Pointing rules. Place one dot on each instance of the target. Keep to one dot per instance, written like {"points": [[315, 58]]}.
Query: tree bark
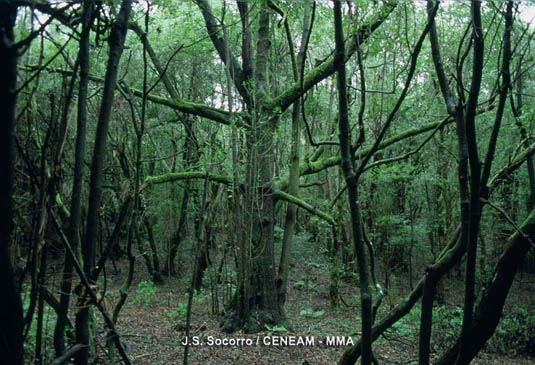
{"points": [[79, 162], [116, 44], [475, 180], [348, 169], [293, 182], [258, 292], [11, 346], [490, 307]]}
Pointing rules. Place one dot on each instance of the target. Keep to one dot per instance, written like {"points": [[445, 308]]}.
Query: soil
{"points": [[153, 326]]}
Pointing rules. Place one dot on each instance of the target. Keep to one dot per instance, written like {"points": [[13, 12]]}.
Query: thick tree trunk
{"points": [[257, 292], [11, 350]]}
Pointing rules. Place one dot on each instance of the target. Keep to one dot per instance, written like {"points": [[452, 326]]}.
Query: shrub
{"points": [[515, 334], [145, 293]]}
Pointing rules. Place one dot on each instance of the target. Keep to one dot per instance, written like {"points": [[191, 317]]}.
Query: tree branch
{"points": [[312, 167], [326, 69], [201, 110], [218, 40], [89, 289], [278, 194]]}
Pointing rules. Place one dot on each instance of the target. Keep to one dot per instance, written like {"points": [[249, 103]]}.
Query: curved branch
{"points": [[312, 167], [218, 41], [278, 194], [410, 153], [392, 115], [201, 110], [303, 204], [326, 69], [513, 165]]}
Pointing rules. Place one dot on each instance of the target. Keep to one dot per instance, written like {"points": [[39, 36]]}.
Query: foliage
{"points": [[145, 293], [309, 312], [447, 324], [407, 325], [179, 312], [181, 309], [515, 334], [275, 330]]}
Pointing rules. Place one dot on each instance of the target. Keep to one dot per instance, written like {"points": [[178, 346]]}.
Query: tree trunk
{"points": [[475, 180], [116, 43], [190, 157], [11, 350], [490, 307], [79, 162], [348, 168], [258, 292], [293, 184]]}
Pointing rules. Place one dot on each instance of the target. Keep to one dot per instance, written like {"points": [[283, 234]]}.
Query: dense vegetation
{"points": [[242, 158]]}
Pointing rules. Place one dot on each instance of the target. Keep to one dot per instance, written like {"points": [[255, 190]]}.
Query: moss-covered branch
{"points": [[303, 204], [278, 194], [188, 107], [201, 110], [326, 69], [312, 167], [177, 176]]}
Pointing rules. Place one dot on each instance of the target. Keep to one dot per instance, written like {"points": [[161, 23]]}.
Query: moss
{"points": [[308, 168], [188, 107], [177, 176], [301, 203], [326, 69], [62, 206]]}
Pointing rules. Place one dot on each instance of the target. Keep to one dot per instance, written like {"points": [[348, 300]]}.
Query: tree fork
{"points": [[490, 307]]}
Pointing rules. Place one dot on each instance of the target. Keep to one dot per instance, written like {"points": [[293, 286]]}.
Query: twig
{"points": [[410, 153], [69, 353], [89, 289], [508, 219]]}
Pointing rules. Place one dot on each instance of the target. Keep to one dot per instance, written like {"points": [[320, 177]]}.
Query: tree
{"points": [[329, 131], [116, 43], [11, 339], [257, 290], [76, 199]]}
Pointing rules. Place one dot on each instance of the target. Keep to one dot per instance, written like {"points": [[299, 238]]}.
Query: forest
{"points": [[267, 182]]}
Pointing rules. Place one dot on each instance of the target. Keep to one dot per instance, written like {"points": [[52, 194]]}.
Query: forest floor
{"points": [[152, 322]]}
